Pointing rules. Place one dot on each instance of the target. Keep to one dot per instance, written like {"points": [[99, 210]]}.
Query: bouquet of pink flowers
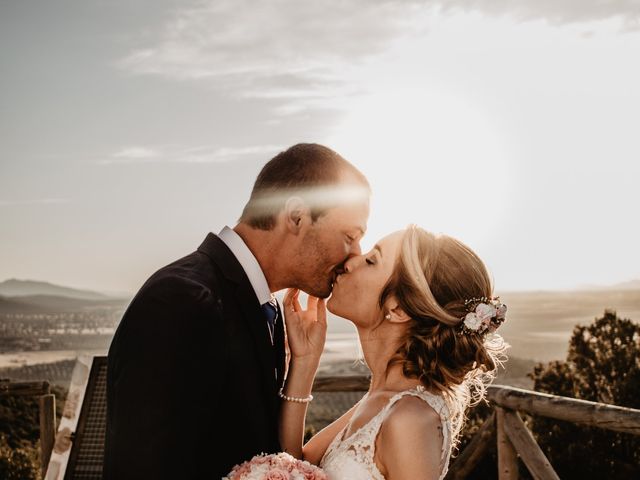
{"points": [[276, 466]]}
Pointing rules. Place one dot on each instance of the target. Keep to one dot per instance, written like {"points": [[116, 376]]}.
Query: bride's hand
{"points": [[306, 329]]}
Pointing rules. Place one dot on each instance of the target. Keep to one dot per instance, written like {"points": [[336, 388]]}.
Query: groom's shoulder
{"points": [[191, 278]]}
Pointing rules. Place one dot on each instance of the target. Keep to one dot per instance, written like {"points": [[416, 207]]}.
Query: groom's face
{"points": [[329, 242]]}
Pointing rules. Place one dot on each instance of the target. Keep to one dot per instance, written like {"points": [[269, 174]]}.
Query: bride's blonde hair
{"points": [[432, 278]]}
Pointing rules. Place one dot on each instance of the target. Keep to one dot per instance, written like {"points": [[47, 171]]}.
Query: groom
{"points": [[199, 355]]}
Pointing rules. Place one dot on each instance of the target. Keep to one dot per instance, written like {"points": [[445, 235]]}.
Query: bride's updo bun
{"points": [[433, 277]]}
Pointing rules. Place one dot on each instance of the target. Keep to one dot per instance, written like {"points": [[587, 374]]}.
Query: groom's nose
{"points": [[352, 263]]}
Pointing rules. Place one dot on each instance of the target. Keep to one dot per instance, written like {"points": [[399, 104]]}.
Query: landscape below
{"points": [[43, 328]]}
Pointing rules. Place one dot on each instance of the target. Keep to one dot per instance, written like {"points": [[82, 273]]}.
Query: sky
{"points": [[130, 129]]}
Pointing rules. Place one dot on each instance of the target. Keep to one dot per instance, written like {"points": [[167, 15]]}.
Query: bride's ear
{"points": [[395, 313]]}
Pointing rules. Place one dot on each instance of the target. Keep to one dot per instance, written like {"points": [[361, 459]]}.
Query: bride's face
{"points": [[356, 292]]}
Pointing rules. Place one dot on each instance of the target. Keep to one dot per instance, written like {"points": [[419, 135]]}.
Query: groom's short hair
{"points": [[320, 176]]}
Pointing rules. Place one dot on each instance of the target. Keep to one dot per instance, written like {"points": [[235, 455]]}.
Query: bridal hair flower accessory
{"points": [[276, 466], [484, 315]]}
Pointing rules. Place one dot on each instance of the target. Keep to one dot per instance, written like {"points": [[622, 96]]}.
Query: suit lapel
{"points": [[252, 314]]}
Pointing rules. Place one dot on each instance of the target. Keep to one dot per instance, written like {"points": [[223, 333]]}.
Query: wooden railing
{"points": [[506, 428], [47, 412]]}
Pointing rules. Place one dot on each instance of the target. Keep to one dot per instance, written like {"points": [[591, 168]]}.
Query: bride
{"points": [[425, 315]]}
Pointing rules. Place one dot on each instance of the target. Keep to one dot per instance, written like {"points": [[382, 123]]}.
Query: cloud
{"points": [[136, 153], [300, 55], [556, 12], [180, 154], [278, 50], [37, 201]]}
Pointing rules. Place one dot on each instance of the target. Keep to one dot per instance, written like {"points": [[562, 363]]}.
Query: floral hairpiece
{"points": [[484, 315]]}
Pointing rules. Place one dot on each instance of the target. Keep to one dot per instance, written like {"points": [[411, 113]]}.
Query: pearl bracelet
{"points": [[294, 399]]}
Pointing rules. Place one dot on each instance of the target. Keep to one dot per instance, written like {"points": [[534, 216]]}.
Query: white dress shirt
{"points": [[249, 263]]}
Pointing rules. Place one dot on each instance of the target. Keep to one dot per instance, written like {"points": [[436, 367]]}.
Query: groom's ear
{"points": [[295, 211], [395, 313]]}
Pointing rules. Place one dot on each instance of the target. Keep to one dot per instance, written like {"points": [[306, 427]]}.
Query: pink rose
{"points": [[283, 461], [240, 470], [259, 460], [277, 474], [243, 470], [310, 472]]}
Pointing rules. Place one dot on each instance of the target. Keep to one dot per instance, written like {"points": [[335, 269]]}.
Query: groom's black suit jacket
{"points": [[192, 366]]}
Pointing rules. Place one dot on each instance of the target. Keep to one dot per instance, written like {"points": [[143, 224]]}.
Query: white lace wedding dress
{"points": [[352, 458]]}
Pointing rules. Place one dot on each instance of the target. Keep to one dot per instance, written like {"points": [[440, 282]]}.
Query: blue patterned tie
{"points": [[271, 313]]}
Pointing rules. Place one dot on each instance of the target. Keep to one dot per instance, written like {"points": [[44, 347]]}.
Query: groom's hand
{"points": [[306, 329]]}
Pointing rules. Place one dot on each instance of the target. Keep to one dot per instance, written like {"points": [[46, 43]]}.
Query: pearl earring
{"points": [[388, 316]]}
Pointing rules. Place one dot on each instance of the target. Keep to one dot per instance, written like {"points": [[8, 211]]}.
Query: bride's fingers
{"points": [[312, 303], [289, 296], [322, 312], [295, 302], [291, 304]]}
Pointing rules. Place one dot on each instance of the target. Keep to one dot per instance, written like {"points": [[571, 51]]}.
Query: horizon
{"points": [[131, 129], [541, 321], [630, 285]]}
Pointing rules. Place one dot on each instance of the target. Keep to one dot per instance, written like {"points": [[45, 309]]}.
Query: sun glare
{"points": [[431, 158]]}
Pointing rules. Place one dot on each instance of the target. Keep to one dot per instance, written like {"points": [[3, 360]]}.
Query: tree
{"points": [[20, 433], [602, 365], [18, 463]]}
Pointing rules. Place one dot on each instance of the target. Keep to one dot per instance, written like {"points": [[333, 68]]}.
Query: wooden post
{"points": [[473, 453], [47, 429], [528, 448], [507, 457], [24, 388]]}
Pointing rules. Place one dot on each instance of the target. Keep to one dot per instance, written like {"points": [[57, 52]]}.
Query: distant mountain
{"points": [[630, 285], [31, 304], [21, 288], [11, 305]]}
